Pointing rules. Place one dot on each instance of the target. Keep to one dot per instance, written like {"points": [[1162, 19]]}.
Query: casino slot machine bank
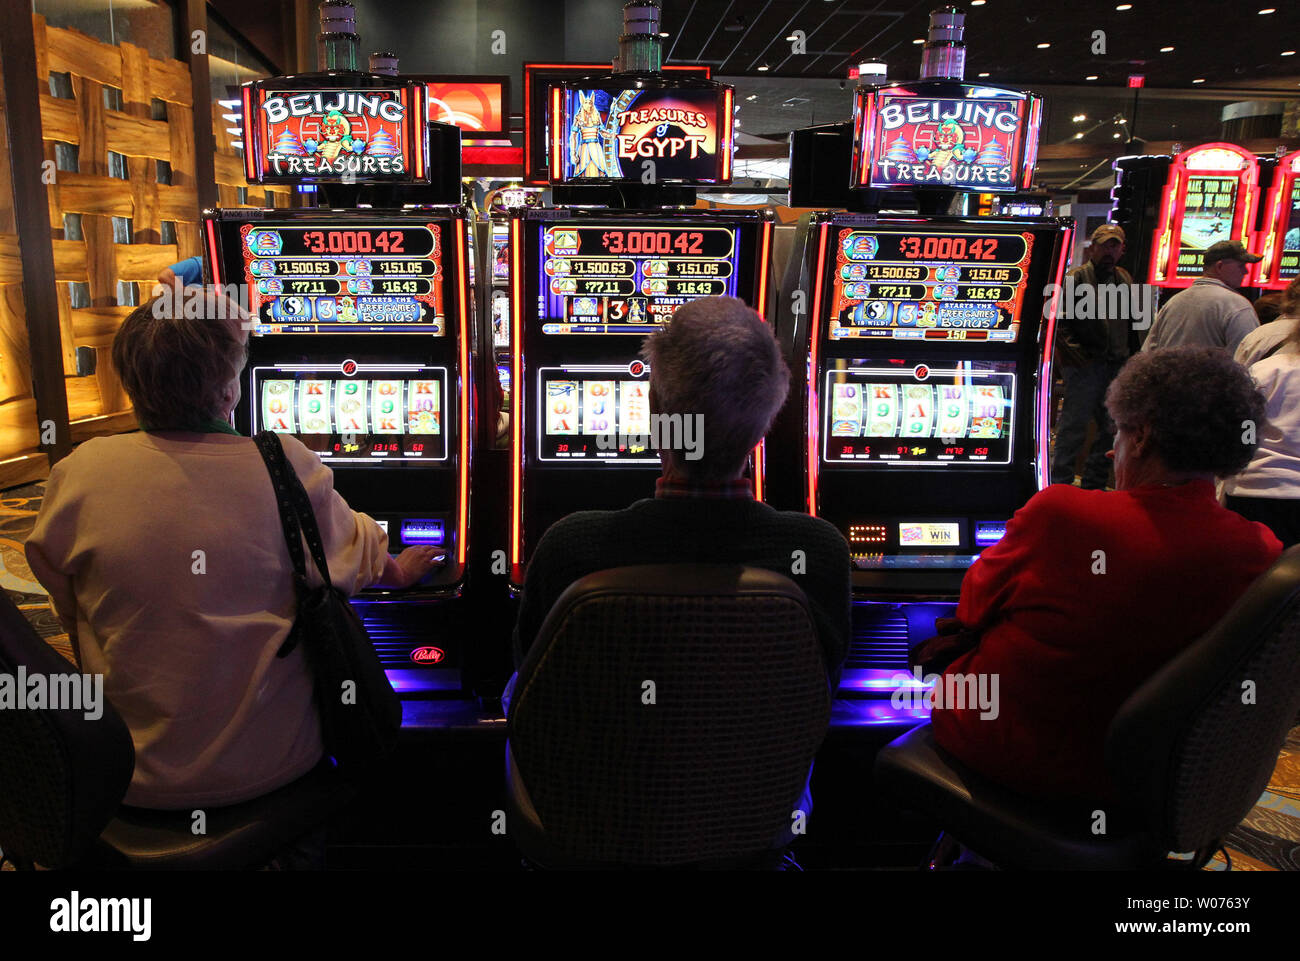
{"points": [[361, 340], [923, 423], [590, 277]]}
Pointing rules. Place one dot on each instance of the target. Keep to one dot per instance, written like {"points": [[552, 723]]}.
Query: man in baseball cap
{"points": [[1210, 313], [1091, 347]]}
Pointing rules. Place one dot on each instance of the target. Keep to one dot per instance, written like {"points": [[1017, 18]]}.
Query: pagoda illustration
{"points": [[287, 145], [993, 155], [900, 151], [382, 145]]}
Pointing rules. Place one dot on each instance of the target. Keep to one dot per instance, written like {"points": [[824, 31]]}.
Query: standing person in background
{"points": [[1090, 353], [1274, 336], [1210, 313]]}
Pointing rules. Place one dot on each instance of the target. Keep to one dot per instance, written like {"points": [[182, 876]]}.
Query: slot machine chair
{"points": [[706, 774], [63, 777], [1188, 757]]}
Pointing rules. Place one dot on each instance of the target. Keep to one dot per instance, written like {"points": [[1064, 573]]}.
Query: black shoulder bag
{"points": [[360, 715]]}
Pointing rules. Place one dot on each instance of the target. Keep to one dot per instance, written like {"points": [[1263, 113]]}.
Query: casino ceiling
{"points": [[1197, 57]]}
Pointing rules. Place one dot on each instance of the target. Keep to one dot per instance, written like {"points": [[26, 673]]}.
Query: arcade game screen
{"points": [[1207, 219], [322, 278], [883, 413], [928, 286], [611, 279], [359, 414]]}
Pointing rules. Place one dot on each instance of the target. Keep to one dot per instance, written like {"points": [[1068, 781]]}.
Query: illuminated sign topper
{"points": [[348, 135], [607, 133], [941, 134]]}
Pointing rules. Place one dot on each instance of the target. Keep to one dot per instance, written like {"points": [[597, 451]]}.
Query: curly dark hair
{"points": [[1203, 411]]}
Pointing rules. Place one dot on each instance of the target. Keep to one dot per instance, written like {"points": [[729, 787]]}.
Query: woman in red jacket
{"points": [[1090, 592]]}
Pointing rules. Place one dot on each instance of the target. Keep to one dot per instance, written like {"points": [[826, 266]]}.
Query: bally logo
{"points": [[427, 655]]}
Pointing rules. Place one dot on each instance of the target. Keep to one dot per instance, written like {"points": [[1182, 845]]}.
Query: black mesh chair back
{"points": [[667, 716], [62, 773], [1193, 748]]}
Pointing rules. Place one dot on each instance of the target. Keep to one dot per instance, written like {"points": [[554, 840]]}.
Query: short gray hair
{"points": [[716, 358], [1197, 403], [175, 368]]}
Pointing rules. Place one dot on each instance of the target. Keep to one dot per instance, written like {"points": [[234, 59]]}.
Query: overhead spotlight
{"points": [[1166, 49], [984, 74], [919, 40], [1199, 80], [763, 67], [1124, 6], [1079, 118], [1043, 46]]}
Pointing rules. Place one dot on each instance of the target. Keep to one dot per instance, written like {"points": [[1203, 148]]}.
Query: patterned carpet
{"points": [[1267, 840]]}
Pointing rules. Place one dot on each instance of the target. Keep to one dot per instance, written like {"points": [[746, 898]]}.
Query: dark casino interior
{"points": [[803, 435]]}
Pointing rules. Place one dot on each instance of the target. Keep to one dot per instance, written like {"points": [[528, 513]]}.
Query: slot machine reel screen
{"points": [[357, 414], [619, 279], [923, 285], [341, 278], [595, 415]]}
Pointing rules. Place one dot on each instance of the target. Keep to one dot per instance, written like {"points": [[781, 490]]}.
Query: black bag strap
{"points": [[297, 520], [292, 499]]}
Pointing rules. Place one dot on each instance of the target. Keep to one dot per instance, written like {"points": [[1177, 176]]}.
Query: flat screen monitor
{"points": [[343, 277], [880, 413], [620, 279], [595, 414], [356, 414]]}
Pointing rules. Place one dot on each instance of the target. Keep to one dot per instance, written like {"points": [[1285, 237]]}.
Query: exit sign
{"points": [[1136, 80]]}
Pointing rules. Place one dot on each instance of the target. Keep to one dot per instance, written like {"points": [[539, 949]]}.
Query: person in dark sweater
{"points": [[716, 360]]}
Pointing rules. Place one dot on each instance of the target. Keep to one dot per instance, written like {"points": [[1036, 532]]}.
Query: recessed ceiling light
{"points": [[919, 40], [1125, 6], [1115, 136], [1268, 10], [1199, 80], [1166, 49], [1043, 46], [1079, 135], [1091, 77], [763, 66], [1288, 53], [984, 74], [792, 37], [1079, 118], [752, 96], [977, 3]]}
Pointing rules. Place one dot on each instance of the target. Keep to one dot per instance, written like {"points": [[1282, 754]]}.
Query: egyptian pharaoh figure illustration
{"points": [[586, 139]]}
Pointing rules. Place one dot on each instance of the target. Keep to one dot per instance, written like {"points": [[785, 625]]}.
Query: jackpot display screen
{"points": [[595, 414], [924, 285], [373, 415], [880, 413], [1288, 267], [610, 133], [354, 277], [1208, 213], [614, 279]]}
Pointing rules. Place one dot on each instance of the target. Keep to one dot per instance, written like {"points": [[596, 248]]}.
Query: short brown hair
{"points": [[175, 368]]}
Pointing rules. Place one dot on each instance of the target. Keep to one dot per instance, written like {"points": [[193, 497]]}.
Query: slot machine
{"points": [[591, 277], [923, 423], [1280, 238], [360, 341], [1174, 208]]}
